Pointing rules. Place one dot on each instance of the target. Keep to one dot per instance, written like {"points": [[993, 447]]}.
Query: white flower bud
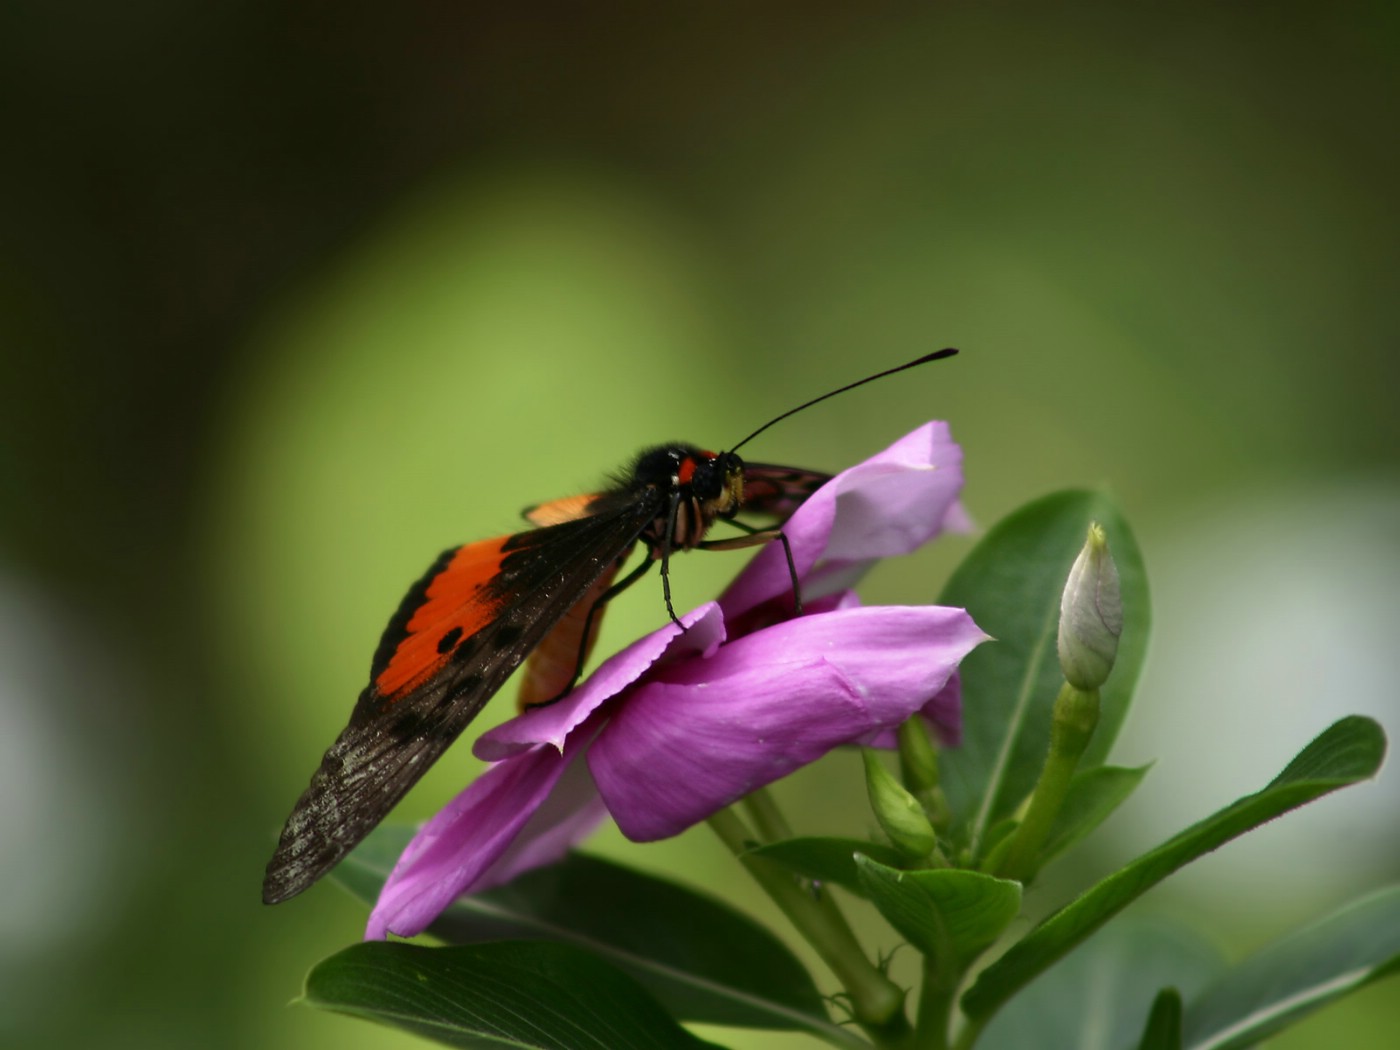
{"points": [[1091, 614]]}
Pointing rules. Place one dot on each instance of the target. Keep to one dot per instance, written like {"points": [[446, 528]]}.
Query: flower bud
{"points": [[899, 813], [918, 761], [1091, 614]]}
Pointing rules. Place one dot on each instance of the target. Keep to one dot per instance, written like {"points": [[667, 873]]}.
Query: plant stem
{"points": [[935, 1006], [768, 819], [1076, 714], [876, 1001], [968, 1035]]}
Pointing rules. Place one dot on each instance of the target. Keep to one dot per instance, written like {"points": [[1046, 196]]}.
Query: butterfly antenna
{"points": [[946, 352]]}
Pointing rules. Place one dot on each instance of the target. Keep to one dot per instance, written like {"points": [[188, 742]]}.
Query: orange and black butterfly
{"points": [[484, 607]]}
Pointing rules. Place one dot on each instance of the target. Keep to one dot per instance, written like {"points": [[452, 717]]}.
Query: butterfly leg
{"points": [[666, 558], [757, 537]]}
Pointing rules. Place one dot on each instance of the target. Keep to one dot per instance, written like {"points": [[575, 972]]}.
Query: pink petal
{"points": [[898, 500], [943, 713], [571, 812], [892, 503], [553, 724], [506, 821], [703, 733]]}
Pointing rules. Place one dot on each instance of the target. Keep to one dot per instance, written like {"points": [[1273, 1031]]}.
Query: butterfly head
{"points": [[701, 485], [713, 481], [716, 480]]}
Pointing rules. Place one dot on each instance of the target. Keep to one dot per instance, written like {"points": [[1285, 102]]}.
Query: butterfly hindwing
{"points": [[458, 635], [557, 659], [778, 491], [570, 508]]}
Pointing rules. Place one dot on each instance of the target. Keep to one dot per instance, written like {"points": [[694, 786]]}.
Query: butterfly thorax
{"points": [[693, 487]]}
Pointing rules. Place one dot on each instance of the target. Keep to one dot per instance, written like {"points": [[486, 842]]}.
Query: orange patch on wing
{"points": [[558, 511], [455, 602]]}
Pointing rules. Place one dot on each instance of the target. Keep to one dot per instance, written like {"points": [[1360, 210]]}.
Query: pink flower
{"points": [[680, 724]]}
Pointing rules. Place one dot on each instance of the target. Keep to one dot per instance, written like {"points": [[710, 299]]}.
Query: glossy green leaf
{"points": [[1291, 978], [1011, 584], [1103, 994], [1349, 751], [1093, 795], [509, 994], [1163, 1031], [702, 960], [829, 860], [948, 914]]}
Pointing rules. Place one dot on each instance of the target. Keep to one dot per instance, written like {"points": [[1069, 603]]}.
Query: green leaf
{"points": [[1093, 795], [510, 994], [1163, 1031], [1349, 751], [702, 960], [830, 860], [1011, 584], [948, 914], [1292, 977], [1102, 995]]}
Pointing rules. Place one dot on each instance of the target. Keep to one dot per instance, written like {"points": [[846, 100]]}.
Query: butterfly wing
{"points": [[457, 636], [570, 508], [778, 491]]}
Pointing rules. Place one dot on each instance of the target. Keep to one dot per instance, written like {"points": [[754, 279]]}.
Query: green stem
{"points": [[876, 1001], [1075, 716], [768, 819], [935, 1006], [969, 1034]]}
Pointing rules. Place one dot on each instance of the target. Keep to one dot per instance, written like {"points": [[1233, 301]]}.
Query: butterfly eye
{"points": [[707, 481]]}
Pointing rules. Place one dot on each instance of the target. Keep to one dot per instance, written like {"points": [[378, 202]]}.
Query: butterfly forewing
{"points": [[457, 637]]}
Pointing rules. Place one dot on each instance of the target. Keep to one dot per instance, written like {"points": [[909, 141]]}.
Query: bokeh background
{"points": [[295, 294]]}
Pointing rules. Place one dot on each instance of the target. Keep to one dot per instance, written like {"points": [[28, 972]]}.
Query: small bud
{"points": [[1091, 614], [899, 813], [918, 761]]}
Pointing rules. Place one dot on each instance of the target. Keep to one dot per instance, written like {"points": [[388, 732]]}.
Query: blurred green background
{"points": [[293, 295]]}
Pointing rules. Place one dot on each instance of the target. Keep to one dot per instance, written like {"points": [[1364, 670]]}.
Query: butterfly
{"points": [[483, 608]]}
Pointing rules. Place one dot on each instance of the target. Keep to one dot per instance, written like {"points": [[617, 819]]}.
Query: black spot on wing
{"points": [[507, 635], [449, 640], [408, 725], [464, 685]]}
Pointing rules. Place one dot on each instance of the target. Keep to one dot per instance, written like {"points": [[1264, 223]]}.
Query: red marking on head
{"points": [[688, 465]]}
